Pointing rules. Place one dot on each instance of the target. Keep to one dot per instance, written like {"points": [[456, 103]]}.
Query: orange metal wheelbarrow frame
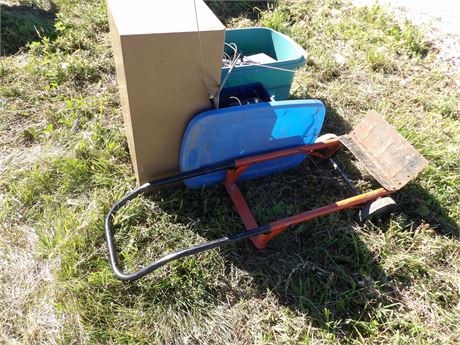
{"points": [[385, 154], [320, 150]]}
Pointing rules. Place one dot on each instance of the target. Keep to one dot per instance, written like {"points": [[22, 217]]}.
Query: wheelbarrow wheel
{"points": [[377, 210], [321, 139], [325, 137]]}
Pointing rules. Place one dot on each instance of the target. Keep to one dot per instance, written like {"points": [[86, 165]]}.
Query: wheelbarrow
{"points": [[249, 141]]}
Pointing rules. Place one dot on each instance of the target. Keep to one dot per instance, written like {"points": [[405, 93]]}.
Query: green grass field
{"points": [[64, 162]]}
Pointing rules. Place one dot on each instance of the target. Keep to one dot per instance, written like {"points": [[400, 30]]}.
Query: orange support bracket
{"points": [[322, 150], [240, 203]]}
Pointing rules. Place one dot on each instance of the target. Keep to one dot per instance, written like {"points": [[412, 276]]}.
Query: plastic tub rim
{"points": [[300, 60]]}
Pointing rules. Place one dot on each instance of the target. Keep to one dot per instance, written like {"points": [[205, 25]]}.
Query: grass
{"points": [[64, 162]]}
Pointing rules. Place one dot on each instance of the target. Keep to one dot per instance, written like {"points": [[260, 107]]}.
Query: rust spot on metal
{"points": [[388, 157]]}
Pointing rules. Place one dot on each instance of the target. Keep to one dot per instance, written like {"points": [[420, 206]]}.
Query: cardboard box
{"points": [[162, 74]]}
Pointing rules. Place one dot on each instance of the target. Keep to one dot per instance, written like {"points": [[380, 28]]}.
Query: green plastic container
{"points": [[288, 55]]}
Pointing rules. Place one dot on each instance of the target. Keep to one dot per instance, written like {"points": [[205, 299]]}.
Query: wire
{"points": [[233, 47], [228, 61], [237, 99], [211, 96], [226, 78]]}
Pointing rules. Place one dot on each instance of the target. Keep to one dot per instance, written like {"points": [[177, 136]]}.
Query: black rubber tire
{"points": [[378, 209]]}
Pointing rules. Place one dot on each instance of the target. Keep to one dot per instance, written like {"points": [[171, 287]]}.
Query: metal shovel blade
{"points": [[388, 157]]}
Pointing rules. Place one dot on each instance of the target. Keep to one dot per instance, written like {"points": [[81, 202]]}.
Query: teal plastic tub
{"points": [[288, 55]]}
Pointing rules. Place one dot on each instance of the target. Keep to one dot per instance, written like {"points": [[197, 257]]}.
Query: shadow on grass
{"points": [[422, 208], [321, 269], [22, 24]]}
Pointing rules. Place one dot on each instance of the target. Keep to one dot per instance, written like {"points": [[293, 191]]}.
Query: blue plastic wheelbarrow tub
{"points": [[220, 135], [288, 55]]}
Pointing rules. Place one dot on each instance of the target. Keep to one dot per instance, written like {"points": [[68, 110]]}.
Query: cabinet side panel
{"points": [[117, 48], [167, 87]]}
